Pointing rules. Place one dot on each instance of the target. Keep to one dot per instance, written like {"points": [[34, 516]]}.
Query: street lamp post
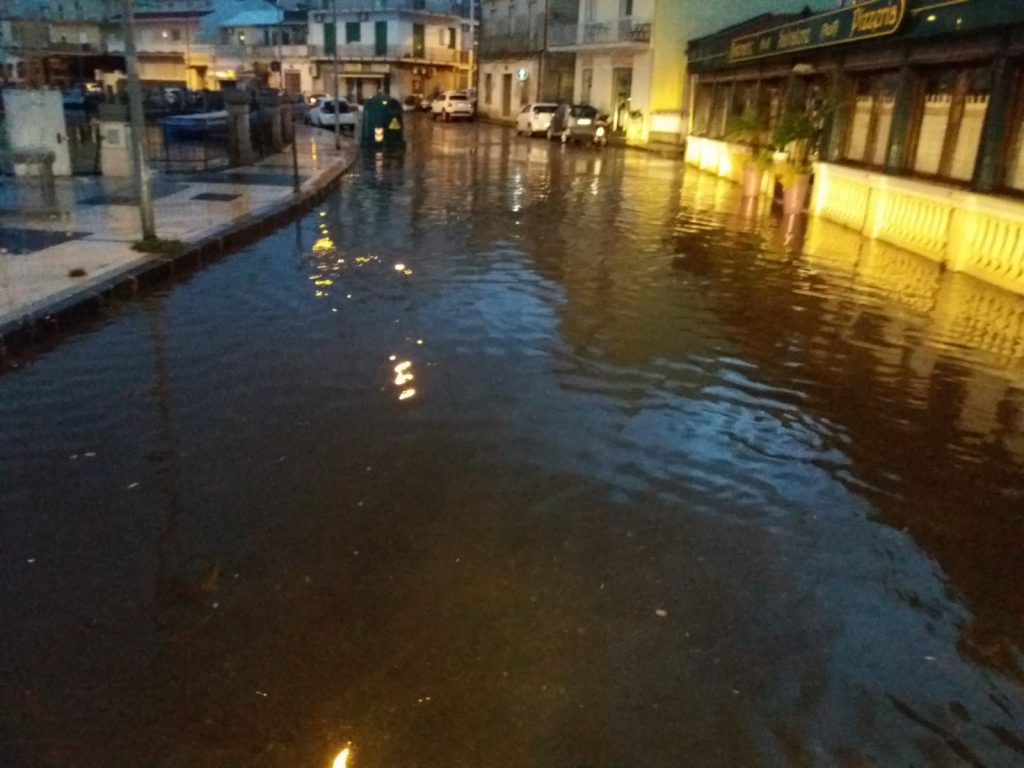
{"points": [[334, 52], [138, 125]]}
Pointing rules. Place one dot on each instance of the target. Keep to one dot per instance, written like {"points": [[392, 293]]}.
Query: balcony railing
{"points": [[565, 33], [626, 30], [435, 55], [527, 41], [448, 7], [269, 52]]}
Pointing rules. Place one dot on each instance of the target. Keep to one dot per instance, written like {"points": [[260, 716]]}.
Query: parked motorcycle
{"points": [[601, 129]]}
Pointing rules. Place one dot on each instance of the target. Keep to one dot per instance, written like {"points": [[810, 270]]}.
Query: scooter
{"points": [[601, 131]]}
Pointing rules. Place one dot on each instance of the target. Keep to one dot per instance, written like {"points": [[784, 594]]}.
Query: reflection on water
{"points": [[514, 454]]}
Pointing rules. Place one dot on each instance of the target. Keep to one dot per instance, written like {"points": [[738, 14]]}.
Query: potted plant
{"points": [[748, 128], [793, 136], [796, 183]]}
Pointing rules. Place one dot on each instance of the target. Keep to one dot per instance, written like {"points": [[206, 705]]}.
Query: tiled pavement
{"points": [[98, 220]]}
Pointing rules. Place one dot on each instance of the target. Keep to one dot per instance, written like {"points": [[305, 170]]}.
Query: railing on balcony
{"points": [[624, 30], [525, 41], [436, 55], [453, 7], [270, 52], [565, 33]]}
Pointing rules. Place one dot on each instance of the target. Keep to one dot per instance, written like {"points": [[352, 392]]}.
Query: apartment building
{"points": [[630, 63], [516, 66], [267, 42], [401, 47], [168, 48]]}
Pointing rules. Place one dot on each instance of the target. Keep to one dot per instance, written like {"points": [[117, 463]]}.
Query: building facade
{"points": [[405, 48], [630, 63], [268, 43], [516, 65], [917, 113]]}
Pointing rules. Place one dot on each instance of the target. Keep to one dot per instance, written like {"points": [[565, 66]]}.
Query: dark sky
{"points": [[711, 15]]}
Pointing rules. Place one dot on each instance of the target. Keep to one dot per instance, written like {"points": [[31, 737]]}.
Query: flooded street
{"points": [[517, 456]]}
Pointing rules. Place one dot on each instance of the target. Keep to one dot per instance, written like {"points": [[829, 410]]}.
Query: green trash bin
{"points": [[383, 126]]}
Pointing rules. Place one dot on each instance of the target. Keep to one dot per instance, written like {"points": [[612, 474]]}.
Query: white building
{"points": [[516, 66], [402, 47], [630, 63]]}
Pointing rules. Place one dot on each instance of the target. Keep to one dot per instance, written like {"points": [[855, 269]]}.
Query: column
{"points": [[841, 96], [903, 113], [996, 129], [239, 139]]}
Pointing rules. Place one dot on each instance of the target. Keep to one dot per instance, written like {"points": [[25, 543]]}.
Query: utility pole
{"points": [[334, 52], [138, 124]]}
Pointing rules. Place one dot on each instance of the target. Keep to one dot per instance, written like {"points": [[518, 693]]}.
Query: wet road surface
{"points": [[517, 455]]}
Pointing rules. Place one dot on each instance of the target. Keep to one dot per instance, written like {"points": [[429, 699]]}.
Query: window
{"points": [[869, 126], [953, 113], [353, 31], [175, 35], [587, 85], [488, 88], [419, 47], [625, 8], [451, 37]]}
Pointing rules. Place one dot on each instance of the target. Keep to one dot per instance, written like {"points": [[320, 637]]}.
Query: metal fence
{"points": [[184, 155]]}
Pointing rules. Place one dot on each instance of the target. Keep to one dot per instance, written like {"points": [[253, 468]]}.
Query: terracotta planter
{"points": [[753, 175], [794, 195]]}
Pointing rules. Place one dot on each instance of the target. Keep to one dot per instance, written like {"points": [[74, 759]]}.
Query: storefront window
{"points": [[871, 118], [702, 108], [719, 111], [1014, 178], [955, 103]]}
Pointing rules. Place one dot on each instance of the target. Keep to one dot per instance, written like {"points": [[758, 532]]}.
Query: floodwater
{"points": [[513, 455]]}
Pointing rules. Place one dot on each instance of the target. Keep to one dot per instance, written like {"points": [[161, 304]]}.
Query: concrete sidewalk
{"points": [[97, 221]]}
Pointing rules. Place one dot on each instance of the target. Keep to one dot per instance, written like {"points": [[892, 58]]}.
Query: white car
{"points": [[535, 119], [324, 115], [452, 105]]}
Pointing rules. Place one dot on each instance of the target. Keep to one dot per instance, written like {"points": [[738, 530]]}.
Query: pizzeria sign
{"points": [[874, 18]]}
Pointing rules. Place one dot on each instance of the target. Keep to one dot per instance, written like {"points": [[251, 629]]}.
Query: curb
{"points": [[42, 325]]}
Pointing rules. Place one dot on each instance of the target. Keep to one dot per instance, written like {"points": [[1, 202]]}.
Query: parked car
{"points": [[535, 119], [426, 102], [452, 105], [324, 114], [576, 123]]}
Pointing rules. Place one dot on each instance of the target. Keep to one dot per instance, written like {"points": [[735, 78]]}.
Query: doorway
{"points": [[380, 38], [622, 93], [506, 95]]}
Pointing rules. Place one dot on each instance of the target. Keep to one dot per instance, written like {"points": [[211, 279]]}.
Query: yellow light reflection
{"points": [[399, 267], [324, 282], [402, 379], [407, 393], [323, 244], [403, 366], [341, 761]]}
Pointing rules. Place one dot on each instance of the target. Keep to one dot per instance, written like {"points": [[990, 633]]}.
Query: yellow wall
{"points": [[668, 42]]}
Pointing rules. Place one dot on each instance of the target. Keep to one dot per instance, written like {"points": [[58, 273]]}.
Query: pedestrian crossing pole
{"points": [[137, 118]]}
